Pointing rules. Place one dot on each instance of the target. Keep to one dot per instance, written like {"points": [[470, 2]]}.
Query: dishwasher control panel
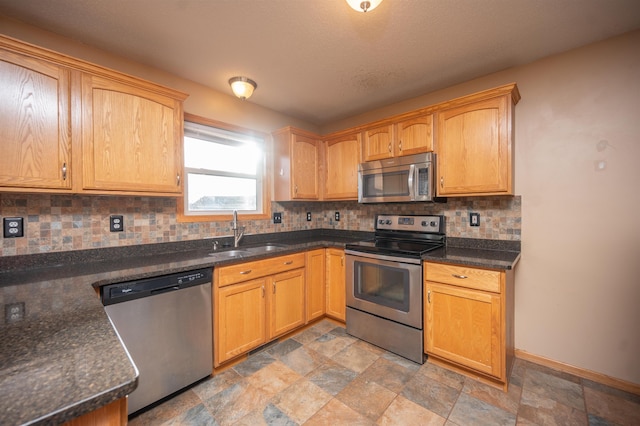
{"points": [[144, 287]]}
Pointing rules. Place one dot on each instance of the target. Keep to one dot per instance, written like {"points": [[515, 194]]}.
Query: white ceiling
{"points": [[319, 60]]}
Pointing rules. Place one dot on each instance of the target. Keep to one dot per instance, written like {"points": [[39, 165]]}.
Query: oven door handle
{"points": [[383, 257]]}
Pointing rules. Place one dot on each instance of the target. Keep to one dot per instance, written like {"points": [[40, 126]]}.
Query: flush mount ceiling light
{"points": [[364, 5], [242, 87]]}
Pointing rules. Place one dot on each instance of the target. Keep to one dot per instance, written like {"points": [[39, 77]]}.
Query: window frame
{"points": [[266, 174]]}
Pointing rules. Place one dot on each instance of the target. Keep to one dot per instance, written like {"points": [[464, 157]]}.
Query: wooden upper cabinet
{"points": [[341, 158], [475, 145], [405, 135], [415, 135], [35, 124], [132, 138], [297, 165]]}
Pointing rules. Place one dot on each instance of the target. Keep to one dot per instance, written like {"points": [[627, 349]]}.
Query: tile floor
{"points": [[322, 376]]}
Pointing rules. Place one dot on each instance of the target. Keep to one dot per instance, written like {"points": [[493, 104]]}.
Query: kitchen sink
{"points": [[266, 247], [230, 253]]}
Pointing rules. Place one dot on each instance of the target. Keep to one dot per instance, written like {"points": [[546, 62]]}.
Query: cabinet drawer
{"points": [[480, 279], [259, 268]]}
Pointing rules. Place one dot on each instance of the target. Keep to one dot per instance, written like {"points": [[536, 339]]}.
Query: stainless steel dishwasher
{"points": [[165, 324]]}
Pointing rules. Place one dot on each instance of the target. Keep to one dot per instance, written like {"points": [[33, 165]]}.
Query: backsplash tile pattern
{"points": [[75, 222]]}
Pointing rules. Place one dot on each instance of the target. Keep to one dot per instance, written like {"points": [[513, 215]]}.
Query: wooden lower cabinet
{"points": [[336, 290], [469, 319], [249, 312], [315, 271], [113, 414]]}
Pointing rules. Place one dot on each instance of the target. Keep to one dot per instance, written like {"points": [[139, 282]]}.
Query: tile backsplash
{"points": [[75, 222]]}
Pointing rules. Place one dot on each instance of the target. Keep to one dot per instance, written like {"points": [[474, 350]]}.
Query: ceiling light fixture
{"points": [[364, 5], [242, 87]]}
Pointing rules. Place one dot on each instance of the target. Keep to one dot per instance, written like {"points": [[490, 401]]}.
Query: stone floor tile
{"points": [[269, 415], [303, 360], [541, 410], [431, 394], [389, 374], [217, 383], [329, 344], [195, 416], [517, 372], [332, 377], [469, 410], [301, 400], [508, 401], [366, 397], [253, 363], [401, 360], [283, 348], [611, 391], [307, 336], [530, 366], [554, 387], [403, 412], [371, 348], [273, 378], [448, 377], [612, 407], [167, 410], [355, 358], [337, 413], [235, 402]]}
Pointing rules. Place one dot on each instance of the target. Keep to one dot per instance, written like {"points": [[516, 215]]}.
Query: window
{"points": [[224, 171]]}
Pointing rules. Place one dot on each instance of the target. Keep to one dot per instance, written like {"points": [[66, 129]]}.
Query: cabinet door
{"points": [[336, 290], [315, 284], [464, 326], [286, 302], [415, 135], [239, 319], [474, 149], [305, 166], [35, 118], [377, 143], [342, 156], [132, 138]]}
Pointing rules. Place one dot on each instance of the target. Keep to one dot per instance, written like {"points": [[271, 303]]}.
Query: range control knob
{"points": [[433, 223], [425, 223], [388, 222]]}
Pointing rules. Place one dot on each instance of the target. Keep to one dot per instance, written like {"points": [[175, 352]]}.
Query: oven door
{"points": [[386, 286]]}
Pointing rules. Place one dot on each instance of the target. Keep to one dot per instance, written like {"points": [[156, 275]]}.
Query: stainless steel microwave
{"points": [[400, 179]]}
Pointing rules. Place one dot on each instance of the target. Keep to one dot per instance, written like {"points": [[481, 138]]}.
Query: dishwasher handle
{"points": [[165, 290]]}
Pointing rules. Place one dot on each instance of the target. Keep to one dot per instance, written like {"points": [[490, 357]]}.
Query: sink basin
{"points": [[266, 247], [229, 253]]}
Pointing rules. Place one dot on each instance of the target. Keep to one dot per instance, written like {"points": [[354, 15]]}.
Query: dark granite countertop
{"points": [[64, 359]]}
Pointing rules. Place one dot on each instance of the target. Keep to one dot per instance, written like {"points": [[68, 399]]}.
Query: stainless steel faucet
{"points": [[238, 231]]}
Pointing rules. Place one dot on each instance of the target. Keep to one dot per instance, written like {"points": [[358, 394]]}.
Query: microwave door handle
{"points": [[412, 189]]}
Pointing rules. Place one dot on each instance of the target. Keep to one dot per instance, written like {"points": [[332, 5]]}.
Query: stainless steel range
{"points": [[384, 282]]}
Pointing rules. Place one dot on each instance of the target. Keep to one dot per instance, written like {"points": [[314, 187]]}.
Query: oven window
{"points": [[382, 285], [386, 184]]}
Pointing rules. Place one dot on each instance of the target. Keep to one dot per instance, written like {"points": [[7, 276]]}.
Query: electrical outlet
{"points": [[277, 218], [337, 216], [116, 223], [13, 312], [13, 227], [308, 216], [474, 219]]}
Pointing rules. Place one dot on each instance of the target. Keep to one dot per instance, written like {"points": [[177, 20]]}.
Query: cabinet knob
{"points": [[389, 147], [295, 189], [429, 296], [64, 171], [178, 179], [400, 145], [441, 181]]}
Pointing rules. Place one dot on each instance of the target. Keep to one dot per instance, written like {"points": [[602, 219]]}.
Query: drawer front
{"points": [[480, 279], [259, 268]]}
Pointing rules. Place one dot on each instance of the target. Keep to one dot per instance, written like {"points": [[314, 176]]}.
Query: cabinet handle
{"points": [[462, 277], [64, 171], [295, 189], [245, 272], [400, 146], [178, 179], [289, 262], [341, 260], [429, 296], [274, 288], [441, 181], [263, 291], [389, 147]]}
